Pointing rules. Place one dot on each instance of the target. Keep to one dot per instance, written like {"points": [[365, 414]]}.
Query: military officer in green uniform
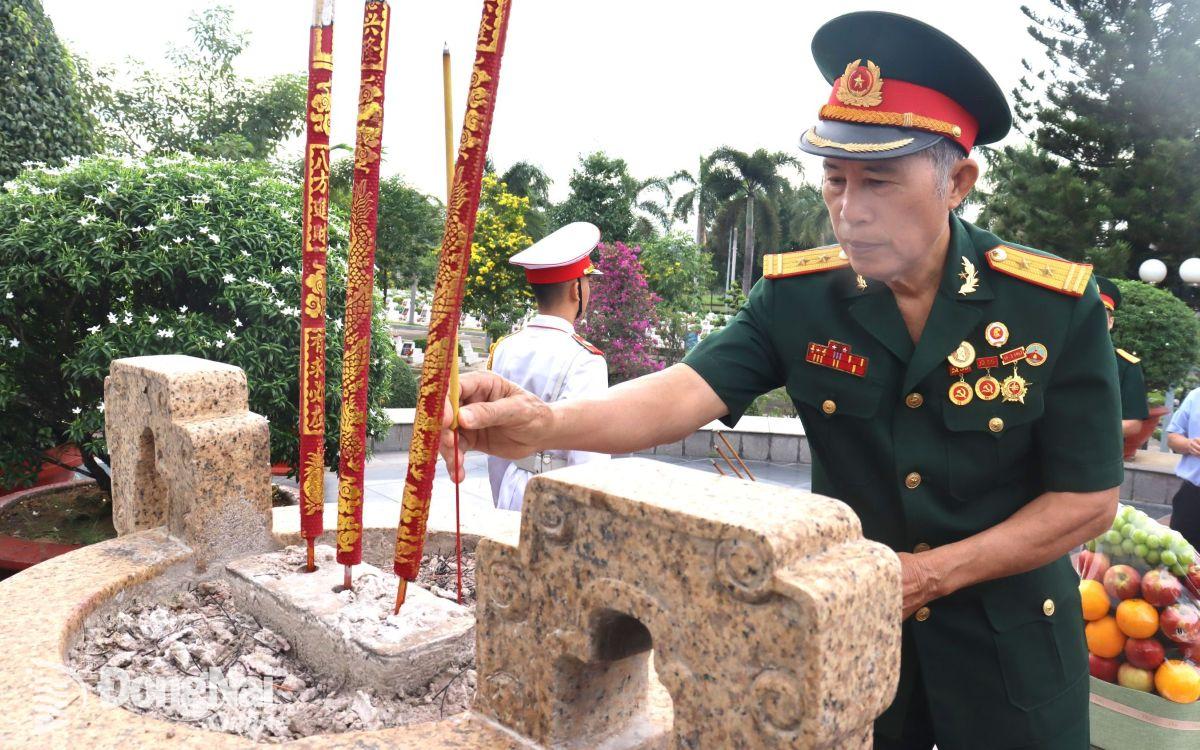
{"points": [[958, 392], [1130, 379]]}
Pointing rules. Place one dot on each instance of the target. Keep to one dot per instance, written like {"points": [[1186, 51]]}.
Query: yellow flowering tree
{"points": [[496, 290]]}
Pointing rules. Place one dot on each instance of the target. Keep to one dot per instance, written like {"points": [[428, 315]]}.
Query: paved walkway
{"points": [[386, 472]]}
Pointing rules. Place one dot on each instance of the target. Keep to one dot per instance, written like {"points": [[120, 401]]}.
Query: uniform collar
{"points": [[551, 321]]}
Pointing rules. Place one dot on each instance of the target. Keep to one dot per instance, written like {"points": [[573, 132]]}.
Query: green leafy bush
{"points": [[1158, 327], [403, 391], [42, 117], [110, 258]]}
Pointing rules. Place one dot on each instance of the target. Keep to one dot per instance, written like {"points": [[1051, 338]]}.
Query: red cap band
{"points": [[1108, 302], [558, 273], [908, 105]]}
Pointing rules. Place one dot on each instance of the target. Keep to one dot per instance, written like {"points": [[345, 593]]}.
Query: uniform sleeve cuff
{"points": [[1091, 477]]}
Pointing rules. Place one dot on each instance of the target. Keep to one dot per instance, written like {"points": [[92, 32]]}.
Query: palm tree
{"points": [[652, 211], [527, 180], [710, 187], [804, 220], [759, 181]]}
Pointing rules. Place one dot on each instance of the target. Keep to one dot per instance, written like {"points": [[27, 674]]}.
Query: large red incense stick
{"points": [[441, 354], [315, 241], [360, 280]]}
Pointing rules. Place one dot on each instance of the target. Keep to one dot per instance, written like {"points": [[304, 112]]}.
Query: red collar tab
{"points": [[559, 273], [862, 95]]}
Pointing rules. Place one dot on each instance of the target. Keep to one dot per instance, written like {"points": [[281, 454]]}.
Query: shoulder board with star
{"points": [[587, 345], [801, 262], [1062, 276], [1130, 358]]}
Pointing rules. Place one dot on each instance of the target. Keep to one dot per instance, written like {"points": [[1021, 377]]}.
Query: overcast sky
{"points": [[656, 82]]}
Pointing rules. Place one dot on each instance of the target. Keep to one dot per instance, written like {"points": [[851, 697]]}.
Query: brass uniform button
{"points": [[914, 400], [1048, 607], [995, 424], [912, 481], [829, 407], [922, 547], [922, 614]]}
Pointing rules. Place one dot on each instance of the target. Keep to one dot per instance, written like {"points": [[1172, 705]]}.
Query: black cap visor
{"points": [[851, 140]]}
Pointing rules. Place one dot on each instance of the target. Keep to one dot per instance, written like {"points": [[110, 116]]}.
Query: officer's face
{"points": [[889, 214]]}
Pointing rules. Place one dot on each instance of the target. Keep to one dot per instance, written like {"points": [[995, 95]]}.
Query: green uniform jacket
{"points": [[1004, 663], [1133, 388]]}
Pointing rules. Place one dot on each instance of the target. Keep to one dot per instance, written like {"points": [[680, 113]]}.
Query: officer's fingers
{"points": [[446, 448], [508, 411]]}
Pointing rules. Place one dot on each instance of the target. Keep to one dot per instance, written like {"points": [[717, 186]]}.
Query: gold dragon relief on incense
{"points": [[314, 482], [348, 533], [369, 132], [494, 12]]}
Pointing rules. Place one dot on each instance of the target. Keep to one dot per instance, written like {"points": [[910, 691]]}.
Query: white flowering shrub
{"points": [[107, 258]]}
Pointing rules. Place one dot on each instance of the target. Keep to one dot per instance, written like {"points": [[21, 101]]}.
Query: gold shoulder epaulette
{"points": [[492, 351], [800, 262], [1128, 357], [1052, 273]]}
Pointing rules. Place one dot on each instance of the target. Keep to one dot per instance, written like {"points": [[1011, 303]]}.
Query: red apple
{"points": [[1145, 653], [1160, 588], [1137, 679], [1122, 582], [1093, 565], [1190, 652], [1193, 579], [1103, 669], [1181, 623]]}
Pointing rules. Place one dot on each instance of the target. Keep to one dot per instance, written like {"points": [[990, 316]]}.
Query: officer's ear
{"points": [[963, 176]]}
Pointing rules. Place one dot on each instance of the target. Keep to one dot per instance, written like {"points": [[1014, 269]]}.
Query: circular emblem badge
{"points": [[1014, 388], [1035, 354], [961, 393], [962, 356], [996, 334], [987, 388]]}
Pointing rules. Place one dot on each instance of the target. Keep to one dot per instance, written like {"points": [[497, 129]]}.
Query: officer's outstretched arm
{"points": [[500, 418]]}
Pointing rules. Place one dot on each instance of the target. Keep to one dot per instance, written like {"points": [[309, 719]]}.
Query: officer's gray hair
{"points": [[943, 155]]}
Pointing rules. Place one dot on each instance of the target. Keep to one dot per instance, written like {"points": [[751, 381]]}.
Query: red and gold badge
{"points": [[961, 393], [861, 85], [963, 356], [1015, 388], [987, 388], [996, 334]]}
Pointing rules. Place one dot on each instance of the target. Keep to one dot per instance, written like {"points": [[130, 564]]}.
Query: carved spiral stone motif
{"points": [[777, 700], [745, 567], [554, 520], [506, 593]]}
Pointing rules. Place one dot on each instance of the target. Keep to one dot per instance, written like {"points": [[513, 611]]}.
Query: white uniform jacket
{"points": [[547, 359]]}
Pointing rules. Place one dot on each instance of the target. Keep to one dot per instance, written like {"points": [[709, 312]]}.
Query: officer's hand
{"points": [[497, 417], [916, 581]]}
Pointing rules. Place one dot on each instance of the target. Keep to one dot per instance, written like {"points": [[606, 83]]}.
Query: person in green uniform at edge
{"points": [[1131, 380], [958, 392]]}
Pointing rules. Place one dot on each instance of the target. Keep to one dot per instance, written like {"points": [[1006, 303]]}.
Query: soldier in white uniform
{"points": [[546, 357]]}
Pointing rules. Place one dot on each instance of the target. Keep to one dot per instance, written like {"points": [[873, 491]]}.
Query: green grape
{"points": [[1154, 542], [1179, 570], [1112, 537], [1090, 546], [1127, 512], [1153, 557], [1169, 558], [1186, 556], [1139, 536], [1141, 551], [1128, 545]]}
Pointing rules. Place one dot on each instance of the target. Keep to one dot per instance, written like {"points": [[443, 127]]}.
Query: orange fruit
{"points": [[1104, 638], [1137, 618], [1095, 599], [1177, 681]]}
